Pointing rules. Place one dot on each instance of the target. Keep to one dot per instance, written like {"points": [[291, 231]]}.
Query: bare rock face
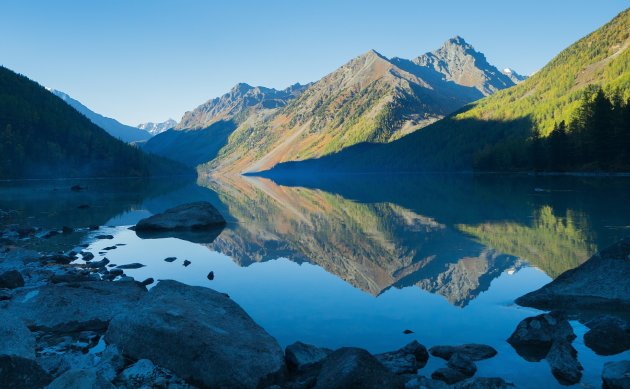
{"points": [[350, 367], [193, 216], [600, 283], [406, 360], [199, 334]]}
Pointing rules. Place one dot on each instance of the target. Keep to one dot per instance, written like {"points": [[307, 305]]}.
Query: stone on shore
{"points": [[193, 216], [200, 335], [300, 356], [74, 307], [534, 336], [15, 337], [18, 372], [351, 367], [600, 283], [406, 360], [616, 375], [562, 358], [11, 279], [80, 379], [475, 352], [484, 383], [608, 335]]}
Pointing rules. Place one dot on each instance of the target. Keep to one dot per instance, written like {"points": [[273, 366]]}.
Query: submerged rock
{"points": [[600, 283], [200, 335], [406, 360], [534, 336], [18, 372], [616, 375], [193, 216], [608, 335], [564, 364], [475, 352], [351, 367], [300, 356]]}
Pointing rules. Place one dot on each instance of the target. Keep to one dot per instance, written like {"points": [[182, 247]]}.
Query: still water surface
{"points": [[355, 261]]}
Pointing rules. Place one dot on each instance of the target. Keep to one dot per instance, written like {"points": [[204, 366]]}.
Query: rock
{"points": [[148, 281], [608, 335], [105, 236], [73, 307], [84, 206], [170, 259], [18, 372], [301, 355], [475, 352], [199, 334], [11, 279], [70, 277], [15, 337], [407, 332], [484, 383], [534, 336], [67, 230], [463, 364], [76, 188], [351, 367], [193, 216], [421, 382], [186, 263], [116, 272], [616, 375], [448, 375], [600, 283], [210, 276], [134, 265], [61, 259], [141, 371], [110, 248], [50, 234], [87, 256], [406, 360], [562, 358], [81, 379], [144, 374], [111, 363], [97, 264]]}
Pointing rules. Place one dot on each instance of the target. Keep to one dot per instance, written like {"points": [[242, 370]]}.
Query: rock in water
{"points": [[351, 367], [534, 336], [300, 356], [608, 335], [564, 364], [406, 360], [200, 335], [475, 352], [616, 375], [11, 280], [484, 383], [15, 337], [18, 372], [601, 283], [193, 216]]}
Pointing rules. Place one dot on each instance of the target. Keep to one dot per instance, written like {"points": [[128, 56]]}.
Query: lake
{"points": [[356, 260]]}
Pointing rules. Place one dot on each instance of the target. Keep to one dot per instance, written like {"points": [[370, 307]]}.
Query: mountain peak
{"points": [[241, 87]]}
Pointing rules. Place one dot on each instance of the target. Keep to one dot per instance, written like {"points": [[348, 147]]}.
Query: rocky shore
{"points": [[70, 321]]}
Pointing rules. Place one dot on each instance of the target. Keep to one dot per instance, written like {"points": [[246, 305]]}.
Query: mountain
{"points": [[499, 128], [369, 99], [113, 127], [514, 76], [204, 131], [43, 137], [157, 128]]}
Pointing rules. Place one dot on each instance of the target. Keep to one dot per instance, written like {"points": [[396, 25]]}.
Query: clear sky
{"points": [[148, 60]]}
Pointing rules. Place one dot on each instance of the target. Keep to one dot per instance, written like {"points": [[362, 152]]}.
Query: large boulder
{"points": [[616, 375], [562, 358], [608, 335], [301, 356], [406, 360], [199, 334], [600, 283], [15, 337], [355, 368], [74, 307], [193, 216], [18, 372], [11, 279], [475, 352], [81, 379], [534, 336]]}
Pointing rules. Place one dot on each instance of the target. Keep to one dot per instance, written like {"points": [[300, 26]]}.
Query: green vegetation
{"points": [[43, 137]]}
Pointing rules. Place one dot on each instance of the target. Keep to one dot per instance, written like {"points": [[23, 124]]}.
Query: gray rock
{"points": [[608, 335], [300, 356], [74, 307], [15, 337], [421, 382], [534, 336], [111, 363], [18, 372], [355, 368], [449, 375], [463, 364], [600, 283], [141, 371], [199, 334], [57, 362], [475, 352], [406, 360], [616, 375], [193, 216], [562, 358], [11, 279], [134, 265], [484, 383], [81, 379]]}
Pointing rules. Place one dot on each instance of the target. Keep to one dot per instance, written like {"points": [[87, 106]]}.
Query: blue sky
{"points": [[150, 60]]}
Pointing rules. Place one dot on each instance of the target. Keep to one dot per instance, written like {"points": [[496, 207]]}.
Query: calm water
{"points": [[355, 261]]}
